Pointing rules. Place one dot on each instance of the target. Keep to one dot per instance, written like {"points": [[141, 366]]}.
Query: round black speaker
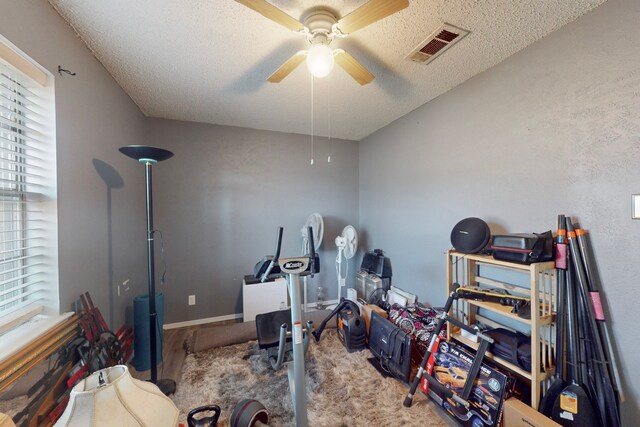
{"points": [[470, 235]]}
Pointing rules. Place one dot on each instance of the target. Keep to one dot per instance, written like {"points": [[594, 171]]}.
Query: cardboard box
{"points": [[518, 414], [366, 313]]}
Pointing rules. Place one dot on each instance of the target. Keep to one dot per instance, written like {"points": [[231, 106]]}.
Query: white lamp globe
{"points": [[320, 60]]}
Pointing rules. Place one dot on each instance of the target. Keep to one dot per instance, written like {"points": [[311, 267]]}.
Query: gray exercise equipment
{"points": [[275, 331], [249, 413], [204, 416]]}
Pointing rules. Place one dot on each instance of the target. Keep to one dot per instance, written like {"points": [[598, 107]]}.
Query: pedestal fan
{"points": [[316, 223], [347, 244], [149, 156]]}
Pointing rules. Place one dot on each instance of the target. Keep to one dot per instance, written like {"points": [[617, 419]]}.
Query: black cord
{"points": [[374, 298], [161, 337], [164, 261], [459, 258]]}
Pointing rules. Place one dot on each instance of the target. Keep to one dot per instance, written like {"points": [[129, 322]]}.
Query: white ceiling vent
{"points": [[437, 43]]}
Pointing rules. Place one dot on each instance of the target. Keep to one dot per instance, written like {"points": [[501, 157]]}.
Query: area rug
{"points": [[343, 389]]}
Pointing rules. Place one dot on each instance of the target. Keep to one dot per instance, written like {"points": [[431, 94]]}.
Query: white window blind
{"points": [[28, 217]]}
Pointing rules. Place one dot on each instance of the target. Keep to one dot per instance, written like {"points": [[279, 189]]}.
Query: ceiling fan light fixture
{"points": [[320, 60], [320, 25]]}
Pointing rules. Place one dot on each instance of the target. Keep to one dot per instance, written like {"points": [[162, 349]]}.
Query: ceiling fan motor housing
{"points": [[320, 22]]}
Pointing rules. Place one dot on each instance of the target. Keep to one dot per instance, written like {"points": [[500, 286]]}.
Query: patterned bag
{"points": [[419, 321]]}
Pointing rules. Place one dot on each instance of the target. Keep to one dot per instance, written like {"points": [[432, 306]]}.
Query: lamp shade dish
{"points": [[146, 153]]}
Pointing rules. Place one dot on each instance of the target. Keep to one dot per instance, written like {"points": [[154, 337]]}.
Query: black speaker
{"points": [[470, 235]]}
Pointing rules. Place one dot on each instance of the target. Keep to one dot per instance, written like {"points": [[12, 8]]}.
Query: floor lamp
{"points": [[149, 156]]}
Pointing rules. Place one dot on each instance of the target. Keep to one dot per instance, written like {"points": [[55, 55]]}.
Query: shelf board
{"points": [[489, 260], [504, 310]]}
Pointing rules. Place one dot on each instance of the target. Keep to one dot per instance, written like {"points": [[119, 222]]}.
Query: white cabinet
{"points": [[264, 297]]}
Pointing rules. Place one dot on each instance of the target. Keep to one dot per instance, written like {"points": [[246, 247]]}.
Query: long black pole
{"points": [[151, 275], [594, 291], [609, 399], [550, 395]]}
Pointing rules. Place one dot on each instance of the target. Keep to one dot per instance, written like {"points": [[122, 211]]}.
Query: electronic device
{"points": [[470, 236], [360, 284]]}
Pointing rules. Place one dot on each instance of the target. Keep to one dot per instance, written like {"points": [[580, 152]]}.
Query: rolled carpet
{"points": [[221, 336]]}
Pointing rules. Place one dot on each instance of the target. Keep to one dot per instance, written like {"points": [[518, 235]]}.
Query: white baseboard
{"points": [[310, 306]]}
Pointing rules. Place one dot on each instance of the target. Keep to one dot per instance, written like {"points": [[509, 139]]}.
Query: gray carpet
{"points": [[343, 389]]}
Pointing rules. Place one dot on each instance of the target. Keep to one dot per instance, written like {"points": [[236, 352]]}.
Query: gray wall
{"points": [[220, 199], [101, 238], [554, 129]]}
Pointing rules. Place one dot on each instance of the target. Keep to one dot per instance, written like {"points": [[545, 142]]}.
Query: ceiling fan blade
{"points": [[353, 67], [287, 67], [370, 12], [271, 12]]}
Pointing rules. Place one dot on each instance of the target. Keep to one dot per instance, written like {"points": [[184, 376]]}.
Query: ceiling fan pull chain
{"points": [[312, 120], [329, 116]]}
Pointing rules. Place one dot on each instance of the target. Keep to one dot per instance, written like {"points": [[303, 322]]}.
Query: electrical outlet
{"points": [[192, 300]]}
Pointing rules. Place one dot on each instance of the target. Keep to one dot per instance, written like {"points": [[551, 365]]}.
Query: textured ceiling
{"points": [[208, 60]]}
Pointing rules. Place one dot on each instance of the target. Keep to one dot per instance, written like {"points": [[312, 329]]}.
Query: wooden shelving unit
{"points": [[541, 287]]}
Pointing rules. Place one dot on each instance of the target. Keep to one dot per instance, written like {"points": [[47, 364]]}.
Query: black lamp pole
{"points": [[150, 156], [153, 314]]}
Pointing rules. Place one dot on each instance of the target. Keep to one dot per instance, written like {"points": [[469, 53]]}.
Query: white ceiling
{"points": [[208, 60]]}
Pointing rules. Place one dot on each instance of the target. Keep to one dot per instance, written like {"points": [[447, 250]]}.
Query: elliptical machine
{"points": [[275, 331]]}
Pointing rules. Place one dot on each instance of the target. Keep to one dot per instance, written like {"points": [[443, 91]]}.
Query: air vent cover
{"points": [[438, 42]]}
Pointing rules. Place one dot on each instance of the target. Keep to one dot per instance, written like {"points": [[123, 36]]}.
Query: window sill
{"points": [[20, 337]]}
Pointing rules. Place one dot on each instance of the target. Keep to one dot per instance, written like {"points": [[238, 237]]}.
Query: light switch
{"points": [[635, 206]]}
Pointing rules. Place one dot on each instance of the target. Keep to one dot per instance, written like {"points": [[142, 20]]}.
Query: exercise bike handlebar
{"points": [[312, 250], [276, 256]]}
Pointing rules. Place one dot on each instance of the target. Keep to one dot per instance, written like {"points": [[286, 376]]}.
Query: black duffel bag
{"points": [[514, 347], [522, 247]]}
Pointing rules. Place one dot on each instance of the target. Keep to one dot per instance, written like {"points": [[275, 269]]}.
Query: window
{"points": [[28, 213]]}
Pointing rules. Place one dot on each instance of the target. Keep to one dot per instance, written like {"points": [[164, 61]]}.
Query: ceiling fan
{"points": [[320, 27]]}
